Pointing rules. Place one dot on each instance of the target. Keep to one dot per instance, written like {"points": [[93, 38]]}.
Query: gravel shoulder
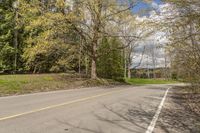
{"points": [[181, 113]]}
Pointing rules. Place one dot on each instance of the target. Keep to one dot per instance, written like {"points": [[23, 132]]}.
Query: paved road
{"points": [[121, 109]]}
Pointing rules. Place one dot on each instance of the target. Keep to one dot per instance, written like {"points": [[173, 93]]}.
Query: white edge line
{"points": [[155, 118]]}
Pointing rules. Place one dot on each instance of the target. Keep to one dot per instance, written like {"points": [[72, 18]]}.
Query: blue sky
{"points": [[159, 53], [145, 6]]}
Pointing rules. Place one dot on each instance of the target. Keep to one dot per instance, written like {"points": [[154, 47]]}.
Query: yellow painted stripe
{"points": [[59, 105]]}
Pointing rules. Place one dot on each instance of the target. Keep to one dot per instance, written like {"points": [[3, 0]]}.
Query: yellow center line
{"points": [[59, 105]]}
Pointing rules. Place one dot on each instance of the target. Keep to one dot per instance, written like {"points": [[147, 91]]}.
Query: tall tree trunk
{"points": [[94, 60], [15, 45], [129, 67], [125, 63], [129, 72], [165, 66], [86, 65], [94, 69], [15, 42], [79, 57]]}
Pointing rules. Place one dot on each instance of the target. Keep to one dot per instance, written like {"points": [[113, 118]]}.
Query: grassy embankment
{"points": [[22, 84], [138, 81]]}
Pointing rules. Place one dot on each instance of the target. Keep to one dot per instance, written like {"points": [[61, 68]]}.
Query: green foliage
{"points": [[6, 34], [174, 76], [7, 57], [11, 31], [110, 63], [51, 36], [48, 47]]}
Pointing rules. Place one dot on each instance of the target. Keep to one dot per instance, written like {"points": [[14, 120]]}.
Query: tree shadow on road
{"points": [[127, 117], [177, 116], [124, 117]]}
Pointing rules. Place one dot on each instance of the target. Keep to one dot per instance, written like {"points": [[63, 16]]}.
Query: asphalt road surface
{"points": [[120, 109]]}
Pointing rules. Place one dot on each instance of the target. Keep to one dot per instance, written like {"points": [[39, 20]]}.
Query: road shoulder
{"points": [[180, 113]]}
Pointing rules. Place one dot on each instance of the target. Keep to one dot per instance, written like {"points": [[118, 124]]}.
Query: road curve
{"points": [[119, 109]]}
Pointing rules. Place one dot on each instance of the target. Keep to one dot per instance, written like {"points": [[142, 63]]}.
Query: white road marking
{"points": [[155, 118]]}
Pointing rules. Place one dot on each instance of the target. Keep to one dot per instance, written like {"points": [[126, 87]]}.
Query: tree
{"points": [[7, 27], [183, 34], [51, 44], [93, 26], [110, 65], [53, 36]]}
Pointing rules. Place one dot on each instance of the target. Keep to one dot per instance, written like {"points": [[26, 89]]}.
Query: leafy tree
{"points": [[96, 18], [110, 65], [11, 39], [53, 36], [183, 46], [50, 43]]}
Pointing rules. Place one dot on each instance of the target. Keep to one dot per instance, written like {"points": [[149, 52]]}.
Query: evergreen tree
{"points": [[110, 64], [7, 26]]}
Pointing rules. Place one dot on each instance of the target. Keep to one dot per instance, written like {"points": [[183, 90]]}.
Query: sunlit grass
{"points": [[20, 84], [140, 81], [31, 83]]}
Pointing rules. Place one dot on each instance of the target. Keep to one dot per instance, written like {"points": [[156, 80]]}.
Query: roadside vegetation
{"points": [[141, 81], [32, 83], [184, 50]]}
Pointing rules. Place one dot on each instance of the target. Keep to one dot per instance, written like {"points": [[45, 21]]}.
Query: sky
{"points": [[156, 39], [146, 6]]}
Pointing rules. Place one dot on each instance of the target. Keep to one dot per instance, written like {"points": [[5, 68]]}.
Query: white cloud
{"points": [[159, 38], [155, 5]]}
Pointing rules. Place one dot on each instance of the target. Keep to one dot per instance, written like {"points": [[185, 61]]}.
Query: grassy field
{"points": [[139, 81], [22, 84]]}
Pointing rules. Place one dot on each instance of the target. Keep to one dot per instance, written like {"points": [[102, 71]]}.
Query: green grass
{"points": [[20, 84], [140, 81], [31, 83]]}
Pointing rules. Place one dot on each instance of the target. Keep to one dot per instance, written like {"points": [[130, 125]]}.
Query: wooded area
{"points": [[40, 36], [184, 40], [94, 37]]}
